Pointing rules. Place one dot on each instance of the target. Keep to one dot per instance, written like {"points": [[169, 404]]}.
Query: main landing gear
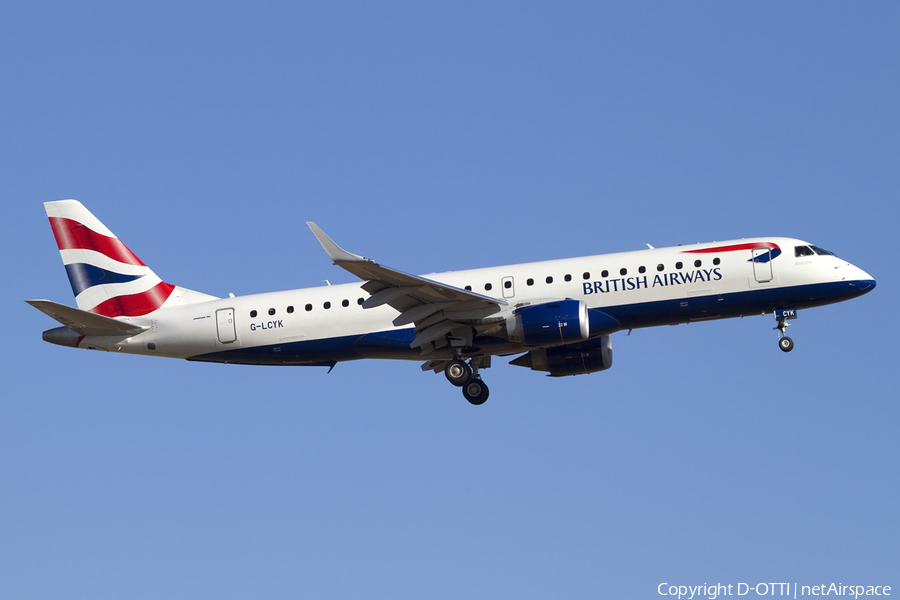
{"points": [[781, 316], [466, 376]]}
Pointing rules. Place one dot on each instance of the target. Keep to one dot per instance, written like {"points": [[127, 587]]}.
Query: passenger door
{"points": [[225, 325], [762, 264]]}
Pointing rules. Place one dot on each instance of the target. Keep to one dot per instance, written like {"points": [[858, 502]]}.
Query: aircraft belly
{"points": [[307, 352], [734, 304], [389, 344]]}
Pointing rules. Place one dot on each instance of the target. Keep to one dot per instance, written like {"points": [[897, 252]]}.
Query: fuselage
{"points": [[645, 288]]}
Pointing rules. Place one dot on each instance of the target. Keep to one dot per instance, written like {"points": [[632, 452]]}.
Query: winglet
{"points": [[335, 252]]}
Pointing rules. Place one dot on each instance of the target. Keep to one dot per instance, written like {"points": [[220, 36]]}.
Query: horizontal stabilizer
{"points": [[83, 322]]}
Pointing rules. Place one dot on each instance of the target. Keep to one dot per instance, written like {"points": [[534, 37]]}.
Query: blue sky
{"points": [[434, 138]]}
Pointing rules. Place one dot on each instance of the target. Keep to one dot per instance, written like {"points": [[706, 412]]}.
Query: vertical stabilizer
{"points": [[107, 278]]}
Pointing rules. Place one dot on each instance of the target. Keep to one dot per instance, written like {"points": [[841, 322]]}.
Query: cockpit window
{"points": [[822, 251], [803, 251]]}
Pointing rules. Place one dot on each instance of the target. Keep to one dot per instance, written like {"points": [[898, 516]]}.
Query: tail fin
{"points": [[106, 277]]}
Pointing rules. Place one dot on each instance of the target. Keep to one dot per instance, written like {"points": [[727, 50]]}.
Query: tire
{"points": [[458, 372], [786, 344], [476, 392]]}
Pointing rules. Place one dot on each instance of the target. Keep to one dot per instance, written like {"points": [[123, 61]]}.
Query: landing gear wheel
{"points": [[458, 372], [476, 392], [786, 344]]}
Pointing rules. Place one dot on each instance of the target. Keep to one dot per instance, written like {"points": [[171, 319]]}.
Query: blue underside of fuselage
{"points": [[394, 344]]}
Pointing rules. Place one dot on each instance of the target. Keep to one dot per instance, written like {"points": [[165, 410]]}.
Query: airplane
{"points": [[557, 316]]}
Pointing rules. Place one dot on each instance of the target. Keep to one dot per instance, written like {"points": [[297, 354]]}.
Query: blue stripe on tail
{"points": [[82, 276]]}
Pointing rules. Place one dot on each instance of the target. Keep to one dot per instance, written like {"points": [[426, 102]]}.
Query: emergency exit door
{"points": [[509, 287]]}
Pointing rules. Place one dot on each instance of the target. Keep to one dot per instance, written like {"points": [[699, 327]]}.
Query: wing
{"points": [[443, 314]]}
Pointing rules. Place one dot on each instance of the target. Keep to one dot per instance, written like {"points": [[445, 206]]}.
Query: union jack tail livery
{"points": [[106, 277]]}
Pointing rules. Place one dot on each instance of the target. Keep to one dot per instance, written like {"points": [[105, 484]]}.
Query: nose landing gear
{"points": [[781, 316], [786, 344]]}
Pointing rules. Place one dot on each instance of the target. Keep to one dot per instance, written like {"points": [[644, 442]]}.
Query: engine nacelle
{"points": [[574, 359], [550, 323]]}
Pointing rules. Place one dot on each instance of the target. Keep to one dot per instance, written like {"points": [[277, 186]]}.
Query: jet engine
{"points": [[550, 323], [573, 359]]}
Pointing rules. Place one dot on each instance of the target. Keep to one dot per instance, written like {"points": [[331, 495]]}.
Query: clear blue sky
{"points": [[434, 138]]}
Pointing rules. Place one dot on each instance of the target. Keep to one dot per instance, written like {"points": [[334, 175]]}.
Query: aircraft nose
{"points": [[862, 282], [865, 285]]}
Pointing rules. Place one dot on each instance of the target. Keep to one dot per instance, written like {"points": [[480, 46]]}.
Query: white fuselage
{"points": [[639, 289]]}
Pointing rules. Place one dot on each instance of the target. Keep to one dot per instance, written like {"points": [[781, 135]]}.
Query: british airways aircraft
{"points": [[556, 315]]}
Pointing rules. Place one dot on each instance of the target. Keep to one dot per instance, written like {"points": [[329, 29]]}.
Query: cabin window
{"points": [[642, 269], [345, 303], [568, 277], [697, 263], [252, 314], [507, 284], [660, 267], [586, 275], [271, 311], [604, 274], [469, 287], [803, 251], [488, 286], [549, 279], [623, 271], [530, 281], [327, 305], [290, 309], [308, 307], [678, 265], [360, 301], [716, 260]]}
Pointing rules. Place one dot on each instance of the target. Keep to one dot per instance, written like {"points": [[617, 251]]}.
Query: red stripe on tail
{"points": [[135, 305], [72, 235]]}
